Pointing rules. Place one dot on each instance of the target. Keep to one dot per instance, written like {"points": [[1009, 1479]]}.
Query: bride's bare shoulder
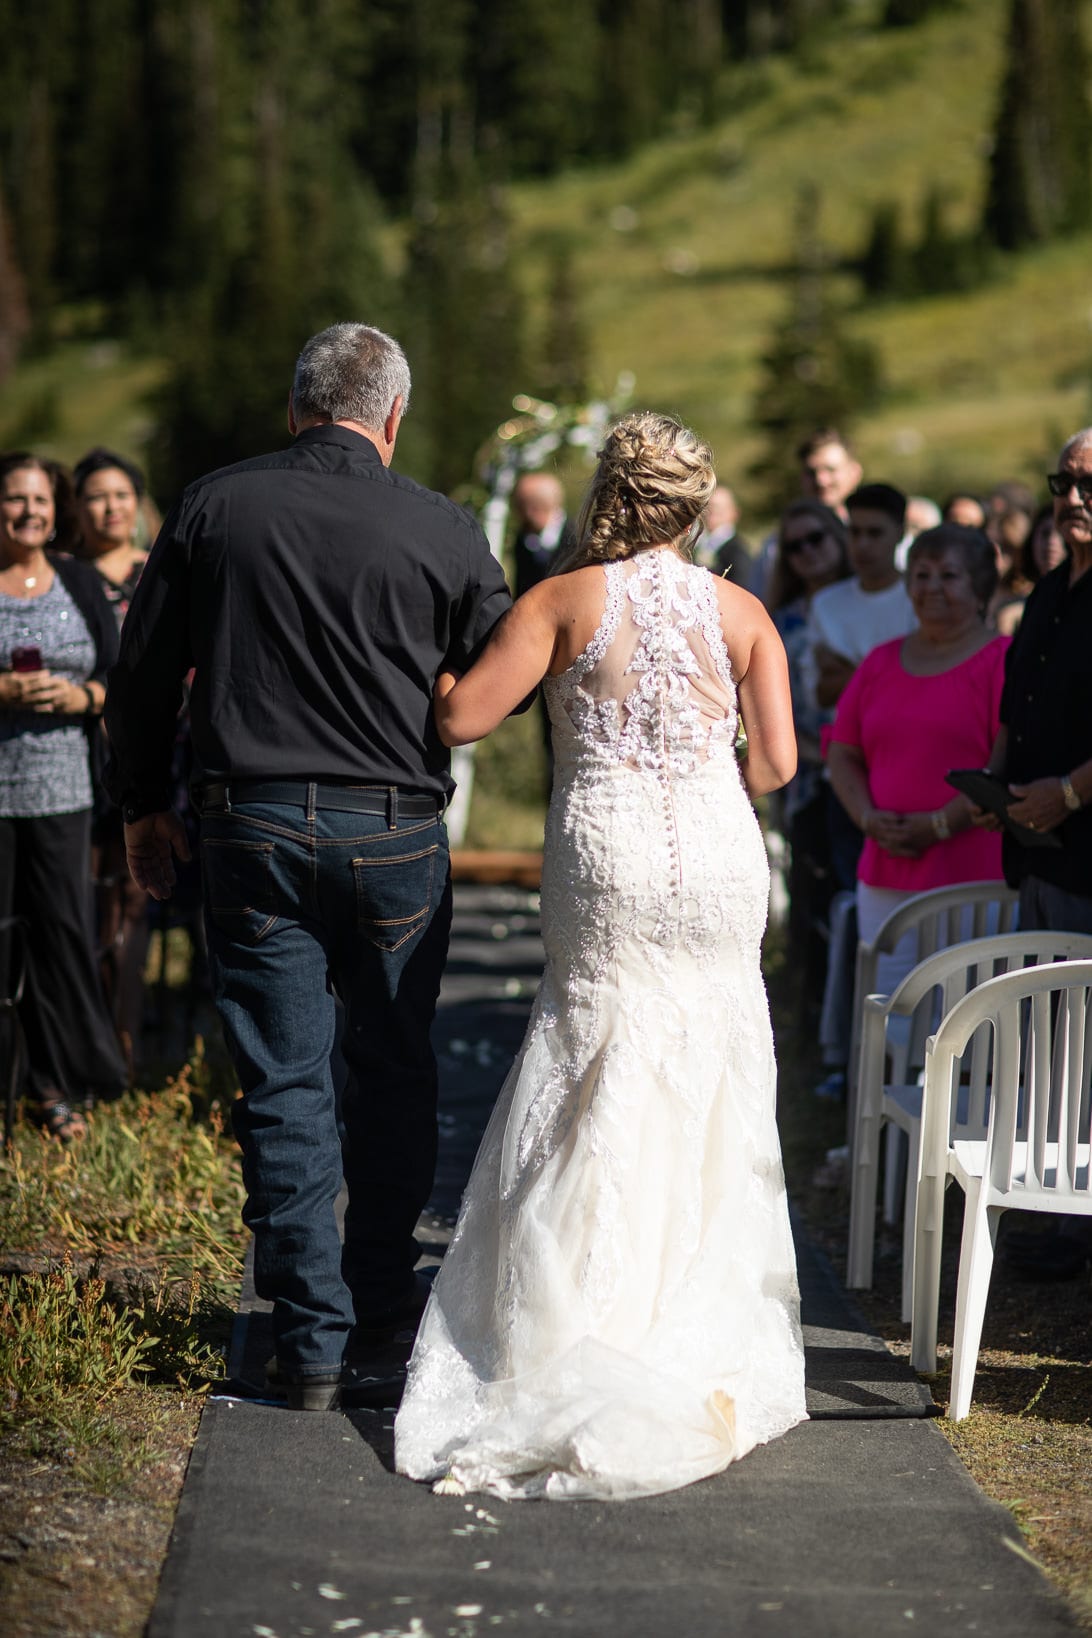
{"points": [[575, 589], [739, 608]]}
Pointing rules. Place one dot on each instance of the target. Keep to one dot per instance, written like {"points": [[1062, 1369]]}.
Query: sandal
{"points": [[57, 1118]]}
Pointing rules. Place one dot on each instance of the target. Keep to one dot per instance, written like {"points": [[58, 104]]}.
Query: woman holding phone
{"points": [[57, 640]]}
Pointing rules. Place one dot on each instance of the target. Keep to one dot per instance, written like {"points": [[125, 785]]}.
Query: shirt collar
{"points": [[343, 437]]}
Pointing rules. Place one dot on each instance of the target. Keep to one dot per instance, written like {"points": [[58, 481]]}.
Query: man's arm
{"points": [[484, 602], [144, 692], [143, 697]]}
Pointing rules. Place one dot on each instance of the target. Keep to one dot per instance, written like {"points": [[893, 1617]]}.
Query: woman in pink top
{"points": [[914, 709]]}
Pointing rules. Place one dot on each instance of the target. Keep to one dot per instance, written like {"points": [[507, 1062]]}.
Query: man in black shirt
{"points": [[1044, 748], [315, 595]]}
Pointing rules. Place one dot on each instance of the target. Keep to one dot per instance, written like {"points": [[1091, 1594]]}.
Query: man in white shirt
{"points": [[850, 618], [829, 472]]}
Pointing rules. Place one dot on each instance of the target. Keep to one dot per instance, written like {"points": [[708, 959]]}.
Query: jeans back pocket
{"points": [[394, 894]]}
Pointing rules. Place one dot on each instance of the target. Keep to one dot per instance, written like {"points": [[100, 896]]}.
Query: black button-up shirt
{"points": [[1047, 707], [315, 595]]}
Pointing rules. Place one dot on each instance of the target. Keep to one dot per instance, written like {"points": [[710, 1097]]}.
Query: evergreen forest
{"points": [[772, 213]]}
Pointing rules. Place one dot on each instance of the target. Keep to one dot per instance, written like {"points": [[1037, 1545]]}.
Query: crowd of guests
{"points": [[896, 612], [73, 929]]}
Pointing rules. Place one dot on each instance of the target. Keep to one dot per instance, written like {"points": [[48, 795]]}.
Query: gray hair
{"points": [[350, 372], [1078, 440]]}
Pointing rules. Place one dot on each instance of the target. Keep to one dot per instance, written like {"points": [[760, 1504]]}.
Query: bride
{"points": [[618, 1314]]}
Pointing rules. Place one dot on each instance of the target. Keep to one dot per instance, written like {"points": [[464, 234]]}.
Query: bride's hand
{"points": [[445, 682]]}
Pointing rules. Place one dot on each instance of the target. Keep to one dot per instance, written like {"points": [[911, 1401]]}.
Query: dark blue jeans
{"points": [[298, 909]]}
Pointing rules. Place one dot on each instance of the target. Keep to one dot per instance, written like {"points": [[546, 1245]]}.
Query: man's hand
{"points": [[149, 845], [1040, 805]]}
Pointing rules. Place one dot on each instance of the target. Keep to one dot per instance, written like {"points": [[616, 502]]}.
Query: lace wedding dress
{"points": [[618, 1314]]}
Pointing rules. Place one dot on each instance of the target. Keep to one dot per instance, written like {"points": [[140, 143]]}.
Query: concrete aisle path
{"points": [[859, 1524]]}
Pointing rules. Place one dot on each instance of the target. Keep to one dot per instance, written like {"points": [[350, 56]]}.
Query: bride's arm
{"points": [[765, 705], [514, 662]]}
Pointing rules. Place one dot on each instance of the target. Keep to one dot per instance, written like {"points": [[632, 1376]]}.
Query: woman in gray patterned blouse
{"points": [[57, 640]]}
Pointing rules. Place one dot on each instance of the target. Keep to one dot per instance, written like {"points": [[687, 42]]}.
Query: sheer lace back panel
{"points": [[653, 690]]}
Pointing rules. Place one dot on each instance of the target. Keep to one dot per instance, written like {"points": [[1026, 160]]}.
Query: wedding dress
{"points": [[618, 1314]]}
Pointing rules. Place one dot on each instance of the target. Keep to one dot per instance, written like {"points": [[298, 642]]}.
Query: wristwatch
{"points": [[1069, 795]]}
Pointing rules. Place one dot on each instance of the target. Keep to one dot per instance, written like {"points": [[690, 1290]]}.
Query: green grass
{"points": [[148, 1175], [982, 385]]}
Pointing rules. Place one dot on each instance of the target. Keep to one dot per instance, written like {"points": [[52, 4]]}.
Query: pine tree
{"points": [[14, 318], [536, 82], [884, 267], [563, 373], [1040, 182], [632, 68], [299, 253], [814, 373], [905, 13], [464, 328]]}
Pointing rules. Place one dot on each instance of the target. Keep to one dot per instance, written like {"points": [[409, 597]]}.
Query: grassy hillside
{"points": [[683, 254]]}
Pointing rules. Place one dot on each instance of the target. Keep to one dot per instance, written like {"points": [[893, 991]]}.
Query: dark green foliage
{"points": [[211, 174], [13, 306], [884, 263], [1040, 182], [944, 260], [536, 82], [905, 13], [463, 327], [563, 371], [815, 373], [755, 28], [282, 240]]}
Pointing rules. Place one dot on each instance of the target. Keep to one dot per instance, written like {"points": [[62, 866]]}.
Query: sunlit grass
{"points": [[147, 1175]]}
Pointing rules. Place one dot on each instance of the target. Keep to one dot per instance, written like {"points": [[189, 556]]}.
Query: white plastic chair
{"points": [[894, 1096], [940, 918], [1026, 1039]]}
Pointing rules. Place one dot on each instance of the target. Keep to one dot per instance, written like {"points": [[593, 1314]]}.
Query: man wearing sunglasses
{"points": [[1044, 747]]}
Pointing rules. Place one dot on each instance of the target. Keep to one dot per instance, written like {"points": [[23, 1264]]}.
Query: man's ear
{"points": [[393, 421], [292, 427]]}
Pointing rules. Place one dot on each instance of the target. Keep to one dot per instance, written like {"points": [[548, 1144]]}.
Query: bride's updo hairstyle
{"points": [[652, 483]]}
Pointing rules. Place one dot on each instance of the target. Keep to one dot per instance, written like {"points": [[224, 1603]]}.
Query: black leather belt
{"points": [[387, 800]]}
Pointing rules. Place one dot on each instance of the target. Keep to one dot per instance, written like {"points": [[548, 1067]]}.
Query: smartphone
{"points": [[26, 658]]}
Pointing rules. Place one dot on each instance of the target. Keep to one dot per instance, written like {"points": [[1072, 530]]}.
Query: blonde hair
{"points": [[652, 483]]}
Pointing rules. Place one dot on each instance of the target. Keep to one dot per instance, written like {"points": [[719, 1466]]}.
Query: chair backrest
{"points": [[942, 917], [928, 994], [1032, 1031]]}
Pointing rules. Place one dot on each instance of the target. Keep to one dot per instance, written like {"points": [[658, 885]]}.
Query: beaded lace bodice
{"points": [[653, 689], [617, 1313]]}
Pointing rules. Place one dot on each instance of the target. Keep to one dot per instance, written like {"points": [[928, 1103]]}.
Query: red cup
{"points": [[28, 657]]}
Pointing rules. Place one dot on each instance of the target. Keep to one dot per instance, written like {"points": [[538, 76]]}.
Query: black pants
{"points": [[45, 877]]}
